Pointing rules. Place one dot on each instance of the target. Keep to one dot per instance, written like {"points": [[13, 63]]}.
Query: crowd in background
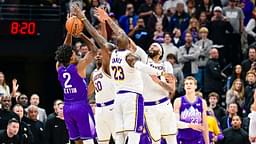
{"points": [[212, 40]]}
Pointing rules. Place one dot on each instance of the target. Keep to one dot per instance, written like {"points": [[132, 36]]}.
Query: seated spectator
{"points": [[10, 134], [205, 6], [219, 111], [5, 113], [25, 134], [156, 17], [235, 134], [177, 39], [170, 5], [168, 47], [191, 8], [55, 104], [55, 128], [36, 126], [23, 100], [146, 9], [193, 28], [203, 20], [159, 33], [35, 100], [215, 133], [232, 110], [237, 73], [246, 64], [236, 94], [249, 90]]}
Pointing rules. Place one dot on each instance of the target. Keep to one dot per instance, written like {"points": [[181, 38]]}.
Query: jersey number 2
{"points": [[67, 78], [118, 72]]}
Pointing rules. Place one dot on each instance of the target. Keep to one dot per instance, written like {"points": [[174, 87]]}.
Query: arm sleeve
{"points": [[142, 54]]}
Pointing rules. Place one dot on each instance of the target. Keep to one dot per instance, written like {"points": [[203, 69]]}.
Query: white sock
{"points": [[89, 141], [105, 142], [119, 138], [133, 138], [171, 139]]}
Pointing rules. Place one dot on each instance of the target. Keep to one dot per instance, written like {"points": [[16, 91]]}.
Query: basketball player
{"points": [[191, 116], [71, 74], [125, 72], [102, 84], [159, 113]]}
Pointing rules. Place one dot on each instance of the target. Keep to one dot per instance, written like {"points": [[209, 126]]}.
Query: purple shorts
{"points": [[193, 141], [79, 121]]}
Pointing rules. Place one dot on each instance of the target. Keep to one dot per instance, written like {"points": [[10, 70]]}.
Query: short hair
{"points": [[200, 94], [171, 56], [214, 94], [13, 120], [32, 106], [17, 105], [191, 78], [233, 103], [250, 72], [63, 54]]}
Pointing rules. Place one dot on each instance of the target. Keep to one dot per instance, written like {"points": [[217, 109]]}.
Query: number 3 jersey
{"points": [[74, 86], [124, 76], [103, 84]]}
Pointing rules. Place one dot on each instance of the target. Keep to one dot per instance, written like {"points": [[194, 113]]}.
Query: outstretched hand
{"points": [[155, 78], [101, 14], [78, 12]]}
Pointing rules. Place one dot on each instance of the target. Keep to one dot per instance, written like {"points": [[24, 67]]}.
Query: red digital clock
{"points": [[19, 28], [23, 28]]}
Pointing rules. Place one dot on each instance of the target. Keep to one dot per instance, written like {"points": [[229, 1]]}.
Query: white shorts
{"points": [[128, 112], [160, 120], [104, 122]]}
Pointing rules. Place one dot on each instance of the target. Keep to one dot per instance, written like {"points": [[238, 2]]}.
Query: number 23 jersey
{"points": [[124, 76]]}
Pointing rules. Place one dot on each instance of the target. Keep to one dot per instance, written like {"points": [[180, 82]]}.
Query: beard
{"points": [[152, 54]]}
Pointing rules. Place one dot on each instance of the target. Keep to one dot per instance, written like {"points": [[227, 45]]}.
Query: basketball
{"points": [[74, 25]]}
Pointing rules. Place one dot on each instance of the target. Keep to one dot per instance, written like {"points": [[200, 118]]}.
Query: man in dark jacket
{"points": [[9, 135], [213, 77]]}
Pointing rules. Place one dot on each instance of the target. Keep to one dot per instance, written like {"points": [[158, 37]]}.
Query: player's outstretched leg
{"points": [[171, 139], [134, 138], [90, 141]]}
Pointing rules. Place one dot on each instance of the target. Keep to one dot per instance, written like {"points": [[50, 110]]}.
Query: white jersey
{"points": [[124, 76], [153, 91], [104, 89]]}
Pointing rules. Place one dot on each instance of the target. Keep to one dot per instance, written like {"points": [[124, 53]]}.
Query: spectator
{"points": [[146, 9], [94, 4], [128, 21], [188, 56], [235, 134], [4, 88], [155, 18], [215, 133], [235, 16], [55, 104], [249, 90], [159, 33], [232, 110], [78, 46], [170, 6], [177, 71], [218, 27], [204, 45], [180, 19], [25, 134], [247, 6], [236, 94], [5, 113], [219, 111], [251, 28], [203, 20], [193, 28], [237, 74], [213, 77], [119, 7], [191, 8], [246, 64], [252, 125], [55, 128], [206, 6], [36, 126], [140, 35], [9, 135], [35, 100], [168, 47], [177, 40], [23, 100]]}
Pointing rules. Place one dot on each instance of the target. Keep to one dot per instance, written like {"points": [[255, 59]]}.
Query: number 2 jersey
{"points": [[104, 89], [74, 86], [124, 76]]}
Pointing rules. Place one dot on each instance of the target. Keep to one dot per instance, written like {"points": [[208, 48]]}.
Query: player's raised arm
{"points": [[91, 87], [88, 58], [100, 40]]}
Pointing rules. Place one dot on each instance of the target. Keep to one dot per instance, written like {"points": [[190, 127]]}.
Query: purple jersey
{"points": [[190, 113], [74, 87]]}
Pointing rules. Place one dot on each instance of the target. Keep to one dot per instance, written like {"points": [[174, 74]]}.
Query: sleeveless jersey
{"points": [[104, 89], [191, 113], [74, 87], [153, 91], [124, 76]]}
